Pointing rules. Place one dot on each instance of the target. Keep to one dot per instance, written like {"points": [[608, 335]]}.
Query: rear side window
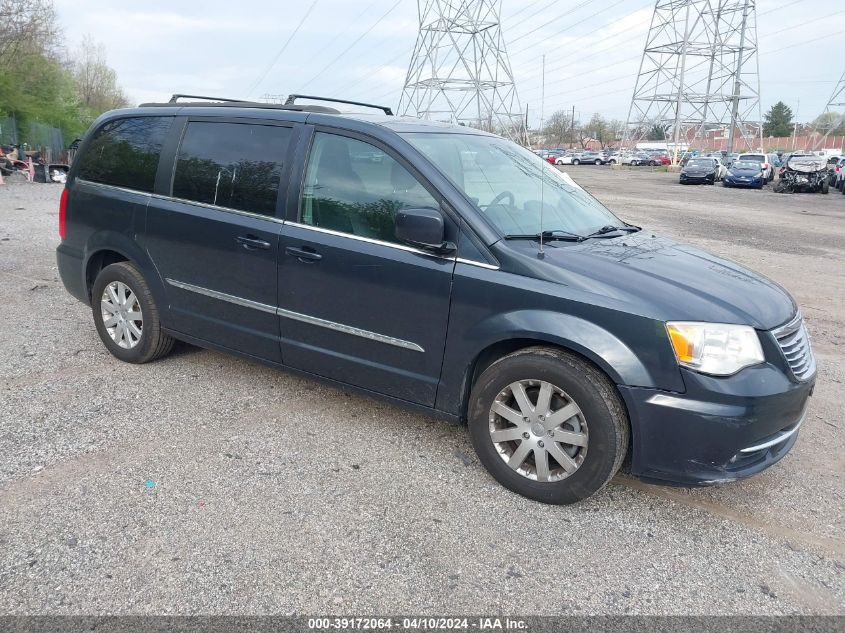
{"points": [[125, 152], [233, 165]]}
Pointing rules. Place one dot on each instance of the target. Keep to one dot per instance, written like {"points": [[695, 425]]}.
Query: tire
{"points": [[725, 185], [600, 421], [825, 187], [575, 161], [598, 162], [558, 162], [612, 161], [152, 343], [777, 187]]}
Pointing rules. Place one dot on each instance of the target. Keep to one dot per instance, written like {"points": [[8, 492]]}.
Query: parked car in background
{"points": [[568, 158], [767, 162], [747, 173], [804, 174], [702, 171], [659, 159], [416, 278], [638, 158], [589, 158], [839, 175]]}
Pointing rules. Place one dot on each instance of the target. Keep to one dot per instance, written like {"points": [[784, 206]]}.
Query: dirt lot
{"points": [[206, 484]]}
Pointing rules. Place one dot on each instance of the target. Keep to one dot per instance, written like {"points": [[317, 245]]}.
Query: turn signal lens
{"points": [[718, 349]]}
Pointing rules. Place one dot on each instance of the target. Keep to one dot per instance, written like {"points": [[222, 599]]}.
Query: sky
{"points": [[360, 49]]}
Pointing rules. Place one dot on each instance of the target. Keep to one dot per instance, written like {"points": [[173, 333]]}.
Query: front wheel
{"points": [[548, 425], [576, 162], [126, 315], [825, 187]]}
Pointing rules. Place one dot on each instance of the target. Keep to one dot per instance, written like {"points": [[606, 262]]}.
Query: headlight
{"points": [[718, 349]]}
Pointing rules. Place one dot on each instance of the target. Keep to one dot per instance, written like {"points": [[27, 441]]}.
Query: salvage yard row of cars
{"points": [[798, 172], [605, 157]]}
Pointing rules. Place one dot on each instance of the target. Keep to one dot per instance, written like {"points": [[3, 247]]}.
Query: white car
{"points": [[566, 159]]}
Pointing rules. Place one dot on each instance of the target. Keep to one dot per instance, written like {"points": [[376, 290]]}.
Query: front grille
{"points": [[795, 344]]}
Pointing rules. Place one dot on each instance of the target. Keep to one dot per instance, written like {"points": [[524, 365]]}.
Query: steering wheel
{"points": [[502, 196]]}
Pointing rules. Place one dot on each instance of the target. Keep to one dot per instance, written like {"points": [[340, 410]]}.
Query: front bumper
{"points": [[720, 430], [697, 180], [735, 182]]}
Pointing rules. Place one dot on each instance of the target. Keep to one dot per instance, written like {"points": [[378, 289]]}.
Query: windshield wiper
{"points": [[557, 234], [628, 228]]}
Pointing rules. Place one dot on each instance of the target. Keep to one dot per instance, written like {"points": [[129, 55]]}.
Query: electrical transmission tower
{"points": [[699, 71], [835, 118], [459, 70]]}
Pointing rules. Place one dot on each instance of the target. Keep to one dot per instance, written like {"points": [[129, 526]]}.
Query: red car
{"points": [[659, 159]]}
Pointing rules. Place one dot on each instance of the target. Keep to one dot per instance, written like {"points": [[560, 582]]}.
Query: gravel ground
{"points": [[206, 484]]}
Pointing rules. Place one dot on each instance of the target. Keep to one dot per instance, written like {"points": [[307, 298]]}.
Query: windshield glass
{"points": [[746, 164], [700, 162], [507, 183]]}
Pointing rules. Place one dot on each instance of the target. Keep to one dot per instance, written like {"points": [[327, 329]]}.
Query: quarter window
{"points": [[354, 187], [125, 152], [232, 165]]}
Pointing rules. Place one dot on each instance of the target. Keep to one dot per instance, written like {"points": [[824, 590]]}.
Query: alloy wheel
{"points": [[122, 315], [538, 430]]}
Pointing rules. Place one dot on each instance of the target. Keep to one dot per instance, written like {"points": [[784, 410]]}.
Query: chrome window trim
{"points": [[368, 240], [249, 214], [297, 316], [472, 262], [113, 187]]}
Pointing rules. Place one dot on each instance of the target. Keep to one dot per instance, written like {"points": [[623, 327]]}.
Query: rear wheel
{"points": [[548, 425], [576, 161], [126, 315], [825, 187]]}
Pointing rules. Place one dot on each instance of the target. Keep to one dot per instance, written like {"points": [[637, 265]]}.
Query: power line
{"points": [[281, 50], [348, 48]]}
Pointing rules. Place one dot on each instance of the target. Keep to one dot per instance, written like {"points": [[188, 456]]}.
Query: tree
{"points": [[557, 127], [96, 82], [597, 128], [778, 120], [833, 121], [26, 27], [656, 133]]}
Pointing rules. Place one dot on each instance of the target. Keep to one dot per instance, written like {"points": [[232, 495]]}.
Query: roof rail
{"points": [[292, 99], [175, 98]]}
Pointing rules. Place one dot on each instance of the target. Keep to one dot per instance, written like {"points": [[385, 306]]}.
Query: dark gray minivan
{"points": [[443, 268]]}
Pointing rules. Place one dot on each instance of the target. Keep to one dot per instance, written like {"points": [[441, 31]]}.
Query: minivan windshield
{"points": [[510, 184]]}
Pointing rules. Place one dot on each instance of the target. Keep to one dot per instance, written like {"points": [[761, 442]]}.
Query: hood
{"points": [[664, 279], [698, 170]]}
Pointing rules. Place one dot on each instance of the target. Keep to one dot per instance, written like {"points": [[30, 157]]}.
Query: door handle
{"points": [[250, 242], [305, 254]]}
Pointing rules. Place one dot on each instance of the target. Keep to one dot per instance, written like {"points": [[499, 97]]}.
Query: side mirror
{"points": [[423, 228]]}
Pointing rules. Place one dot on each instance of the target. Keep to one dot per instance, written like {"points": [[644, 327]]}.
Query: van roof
{"points": [[290, 111]]}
